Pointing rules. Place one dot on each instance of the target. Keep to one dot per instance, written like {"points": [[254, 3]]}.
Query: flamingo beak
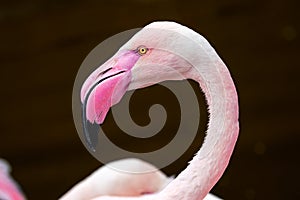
{"points": [[104, 88]]}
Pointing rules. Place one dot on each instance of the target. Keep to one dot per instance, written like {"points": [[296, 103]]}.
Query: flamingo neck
{"points": [[210, 162]]}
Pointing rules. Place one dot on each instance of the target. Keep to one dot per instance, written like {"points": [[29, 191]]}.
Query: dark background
{"points": [[43, 43]]}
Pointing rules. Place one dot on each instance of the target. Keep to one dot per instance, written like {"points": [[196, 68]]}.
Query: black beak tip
{"points": [[90, 131]]}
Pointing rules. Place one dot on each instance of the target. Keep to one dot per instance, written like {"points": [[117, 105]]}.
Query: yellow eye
{"points": [[142, 50]]}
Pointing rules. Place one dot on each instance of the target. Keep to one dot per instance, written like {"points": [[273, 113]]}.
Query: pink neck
{"points": [[208, 165]]}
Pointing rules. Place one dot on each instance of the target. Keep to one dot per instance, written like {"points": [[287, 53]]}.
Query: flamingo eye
{"points": [[142, 50]]}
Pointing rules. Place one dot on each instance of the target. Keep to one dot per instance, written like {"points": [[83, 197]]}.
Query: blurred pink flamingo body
{"points": [[168, 51], [9, 189]]}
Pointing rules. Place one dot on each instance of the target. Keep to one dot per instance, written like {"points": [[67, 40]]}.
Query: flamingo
{"points": [[162, 51], [9, 190]]}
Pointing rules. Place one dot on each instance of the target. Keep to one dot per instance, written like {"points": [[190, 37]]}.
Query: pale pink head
{"points": [[166, 55]]}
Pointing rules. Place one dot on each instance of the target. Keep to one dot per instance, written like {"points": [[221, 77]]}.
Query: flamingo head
{"points": [[152, 55]]}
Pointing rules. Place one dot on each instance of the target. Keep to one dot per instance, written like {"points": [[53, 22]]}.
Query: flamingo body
{"points": [[172, 52], [146, 179]]}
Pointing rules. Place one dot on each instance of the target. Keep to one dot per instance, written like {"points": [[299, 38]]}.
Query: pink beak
{"points": [[104, 88]]}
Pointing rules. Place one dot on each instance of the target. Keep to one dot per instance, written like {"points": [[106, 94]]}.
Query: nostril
{"points": [[105, 71], [144, 193]]}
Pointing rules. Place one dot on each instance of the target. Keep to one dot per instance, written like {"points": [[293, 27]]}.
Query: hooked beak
{"points": [[104, 88]]}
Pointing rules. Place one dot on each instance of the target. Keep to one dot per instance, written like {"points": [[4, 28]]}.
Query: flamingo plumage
{"points": [[164, 51], [9, 189]]}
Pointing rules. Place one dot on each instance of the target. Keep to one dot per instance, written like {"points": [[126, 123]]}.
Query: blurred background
{"points": [[43, 43]]}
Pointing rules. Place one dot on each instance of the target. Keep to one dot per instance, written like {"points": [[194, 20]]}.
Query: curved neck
{"points": [[211, 160]]}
